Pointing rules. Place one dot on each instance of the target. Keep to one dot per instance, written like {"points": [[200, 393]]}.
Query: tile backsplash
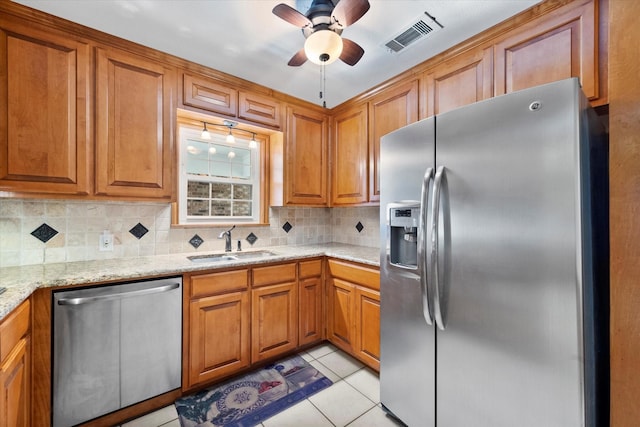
{"points": [[79, 225]]}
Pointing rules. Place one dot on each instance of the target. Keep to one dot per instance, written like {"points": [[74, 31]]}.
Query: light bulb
{"points": [[205, 133], [231, 155], [253, 143], [212, 150], [230, 139], [323, 47], [192, 150]]}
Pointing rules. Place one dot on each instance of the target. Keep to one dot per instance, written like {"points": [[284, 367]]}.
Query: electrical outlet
{"points": [[106, 241]]}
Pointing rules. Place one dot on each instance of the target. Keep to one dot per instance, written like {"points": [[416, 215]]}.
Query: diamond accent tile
{"points": [[139, 230], [196, 241], [287, 227], [359, 227], [44, 233], [251, 238]]}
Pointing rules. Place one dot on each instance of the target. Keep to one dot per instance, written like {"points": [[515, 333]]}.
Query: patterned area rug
{"points": [[249, 400]]}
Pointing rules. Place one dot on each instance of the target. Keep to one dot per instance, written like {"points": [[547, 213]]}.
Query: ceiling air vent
{"points": [[424, 26]]}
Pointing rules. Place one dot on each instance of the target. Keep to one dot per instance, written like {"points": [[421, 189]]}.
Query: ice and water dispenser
{"points": [[403, 234]]}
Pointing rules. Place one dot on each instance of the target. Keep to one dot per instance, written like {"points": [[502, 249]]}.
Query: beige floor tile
{"points": [[366, 382], [340, 363], [301, 414], [321, 350], [375, 417], [154, 419], [325, 371], [341, 403]]}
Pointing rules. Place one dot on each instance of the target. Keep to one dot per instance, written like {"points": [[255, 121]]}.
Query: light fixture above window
{"points": [[230, 138]]}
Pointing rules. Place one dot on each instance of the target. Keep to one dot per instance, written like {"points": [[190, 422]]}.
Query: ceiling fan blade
{"points": [[291, 15], [351, 52], [347, 12], [298, 59]]}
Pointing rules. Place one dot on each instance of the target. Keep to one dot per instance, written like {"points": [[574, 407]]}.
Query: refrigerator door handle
{"points": [[422, 252], [435, 223]]}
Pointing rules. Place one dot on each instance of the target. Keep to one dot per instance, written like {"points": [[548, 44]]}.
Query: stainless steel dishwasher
{"points": [[114, 346]]}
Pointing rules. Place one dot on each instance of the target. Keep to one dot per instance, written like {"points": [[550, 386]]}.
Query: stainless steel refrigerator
{"points": [[494, 264]]}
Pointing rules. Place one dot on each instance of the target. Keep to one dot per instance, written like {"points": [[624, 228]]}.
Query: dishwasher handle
{"points": [[118, 295]]}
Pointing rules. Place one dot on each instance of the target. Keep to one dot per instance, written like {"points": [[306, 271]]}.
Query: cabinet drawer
{"points": [[215, 283], [353, 273], [281, 273], [208, 94], [13, 328], [310, 268], [259, 109]]}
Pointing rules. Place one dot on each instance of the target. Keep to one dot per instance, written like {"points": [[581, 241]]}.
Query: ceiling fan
{"points": [[322, 26]]}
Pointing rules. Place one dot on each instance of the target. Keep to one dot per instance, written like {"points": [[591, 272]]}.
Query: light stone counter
{"points": [[21, 282]]}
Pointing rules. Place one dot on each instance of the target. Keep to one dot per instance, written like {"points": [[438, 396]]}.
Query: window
{"points": [[219, 181]]}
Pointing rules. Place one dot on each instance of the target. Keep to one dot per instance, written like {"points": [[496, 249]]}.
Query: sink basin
{"points": [[235, 256]]}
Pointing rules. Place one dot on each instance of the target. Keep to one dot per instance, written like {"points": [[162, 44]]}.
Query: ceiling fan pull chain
{"points": [[323, 76]]}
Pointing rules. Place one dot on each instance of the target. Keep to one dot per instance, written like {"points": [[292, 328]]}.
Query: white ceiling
{"points": [[243, 38]]}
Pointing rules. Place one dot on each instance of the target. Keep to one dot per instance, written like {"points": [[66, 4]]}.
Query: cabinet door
{"points": [[367, 339], [306, 158], [208, 94], [259, 109], [15, 387], [135, 115], [219, 336], [341, 314], [390, 110], [274, 320], [45, 104], [349, 173], [464, 80], [554, 47]]}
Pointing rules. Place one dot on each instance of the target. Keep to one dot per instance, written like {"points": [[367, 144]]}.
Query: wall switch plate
{"points": [[106, 241]]}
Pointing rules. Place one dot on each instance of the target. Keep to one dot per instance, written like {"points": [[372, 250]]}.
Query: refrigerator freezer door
{"points": [[510, 283], [407, 354]]}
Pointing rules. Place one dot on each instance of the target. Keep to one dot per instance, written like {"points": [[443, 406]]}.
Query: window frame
{"points": [[191, 130]]}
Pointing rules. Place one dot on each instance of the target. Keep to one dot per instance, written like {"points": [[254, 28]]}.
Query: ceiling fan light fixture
{"points": [[323, 47]]}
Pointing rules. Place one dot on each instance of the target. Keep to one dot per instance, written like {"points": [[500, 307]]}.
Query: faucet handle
{"points": [[239, 245]]}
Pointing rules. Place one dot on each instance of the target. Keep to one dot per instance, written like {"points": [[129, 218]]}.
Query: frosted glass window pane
{"points": [[221, 208], [198, 190], [198, 207], [242, 192], [220, 191], [241, 208]]}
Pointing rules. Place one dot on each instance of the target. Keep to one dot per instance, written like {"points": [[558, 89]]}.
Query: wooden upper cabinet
{"points": [[463, 80], [135, 117], [557, 46], [350, 157], [45, 100], [390, 110], [209, 94], [305, 158], [259, 109]]}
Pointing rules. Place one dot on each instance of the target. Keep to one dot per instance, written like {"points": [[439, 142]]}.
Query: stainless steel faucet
{"points": [[227, 239]]}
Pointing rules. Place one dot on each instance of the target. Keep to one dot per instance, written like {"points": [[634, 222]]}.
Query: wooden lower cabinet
{"points": [[218, 326], [15, 368], [353, 310], [274, 311], [310, 300], [367, 326], [340, 314]]}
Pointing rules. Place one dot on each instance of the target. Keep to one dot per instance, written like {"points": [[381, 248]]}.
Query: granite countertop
{"points": [[21, 282]]}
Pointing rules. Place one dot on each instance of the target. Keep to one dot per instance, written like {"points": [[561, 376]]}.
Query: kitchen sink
{"points": [[230, 256]]}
